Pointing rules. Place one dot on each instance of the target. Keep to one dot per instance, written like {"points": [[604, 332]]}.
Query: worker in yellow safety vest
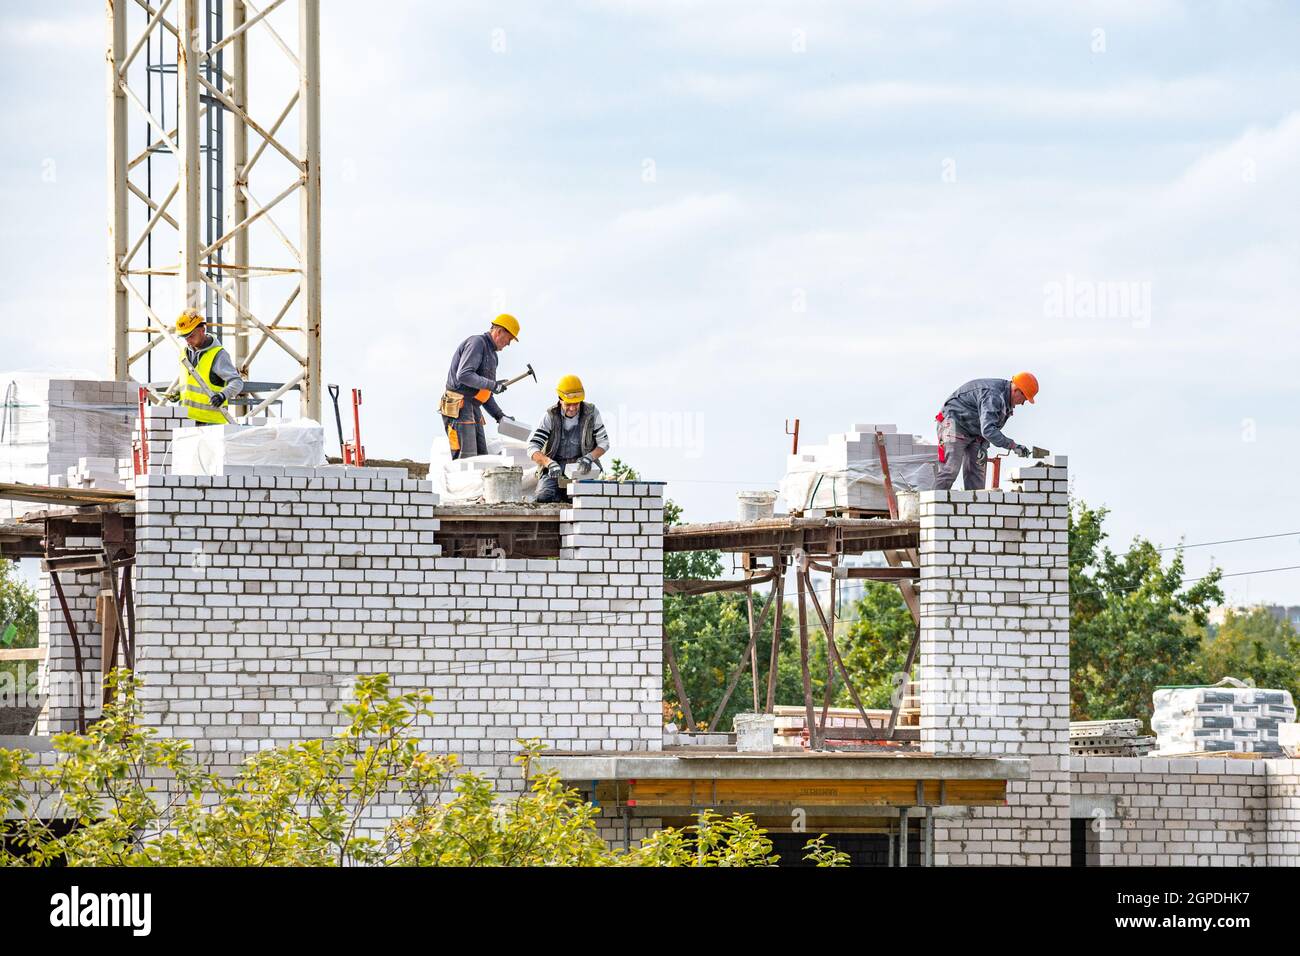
{"points": [[214, 368]]}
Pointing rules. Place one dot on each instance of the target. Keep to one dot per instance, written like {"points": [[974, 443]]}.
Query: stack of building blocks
{"points": [[845, 473]]}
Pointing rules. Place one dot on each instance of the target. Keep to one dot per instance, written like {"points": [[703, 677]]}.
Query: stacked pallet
{"points": [[94, 472], [48, 424], [845, 475], [1221, 719], [1109, 738]]}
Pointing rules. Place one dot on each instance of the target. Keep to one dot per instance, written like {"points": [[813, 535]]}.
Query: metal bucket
{"points": [[756, 505], [503, 484]]}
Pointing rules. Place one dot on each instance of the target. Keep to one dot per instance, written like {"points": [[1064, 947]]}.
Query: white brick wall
{"points": [[1180, 812], [260, 596], [994, 657]]}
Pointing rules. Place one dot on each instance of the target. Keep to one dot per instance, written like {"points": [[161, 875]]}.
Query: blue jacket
{"points": [[474, 367], [980, 408]]}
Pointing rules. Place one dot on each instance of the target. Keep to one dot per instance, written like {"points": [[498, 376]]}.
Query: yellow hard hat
{"points": [[569, 389], [1027, 383], [188, 321], [509, 323]]}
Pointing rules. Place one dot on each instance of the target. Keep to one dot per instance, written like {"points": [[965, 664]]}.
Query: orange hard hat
{"points": [[1027, 383]]}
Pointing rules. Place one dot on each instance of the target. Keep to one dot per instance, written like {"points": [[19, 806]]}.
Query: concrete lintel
{"points": [[1086, 805], [595, 766]]}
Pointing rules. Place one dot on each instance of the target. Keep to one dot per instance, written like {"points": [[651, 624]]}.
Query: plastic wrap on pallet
{"points": [[860, 486], [294, 443], [50, 421], [845, 473], [1236, 719]]}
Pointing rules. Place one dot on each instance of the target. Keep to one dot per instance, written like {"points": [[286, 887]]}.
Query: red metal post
{"points": [[142, 460], [358, 451]]}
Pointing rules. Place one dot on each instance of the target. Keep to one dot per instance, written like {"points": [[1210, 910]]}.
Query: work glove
{"points": [[217, 400], [499, 387], [586, 465], [555, 470], [1020, 450]]}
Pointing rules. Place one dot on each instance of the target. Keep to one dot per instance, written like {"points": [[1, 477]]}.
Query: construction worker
{"points": [[571, 431], [472, 384], [972, 419], [214, 368]]}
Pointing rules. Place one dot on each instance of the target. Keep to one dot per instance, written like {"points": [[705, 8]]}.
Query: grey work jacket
{"points": [[548, 435], [474, 367], [980, 408]]}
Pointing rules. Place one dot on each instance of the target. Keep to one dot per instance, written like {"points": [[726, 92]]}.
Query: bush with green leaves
{"points": [[135, 798]]}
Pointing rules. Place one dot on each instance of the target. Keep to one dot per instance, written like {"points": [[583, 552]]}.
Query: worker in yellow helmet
{"points": [[972, 419], [571, 432], [214, 368], [472, 385]]}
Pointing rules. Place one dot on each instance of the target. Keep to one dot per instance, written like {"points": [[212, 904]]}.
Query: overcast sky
{"points": [[724, 215]]}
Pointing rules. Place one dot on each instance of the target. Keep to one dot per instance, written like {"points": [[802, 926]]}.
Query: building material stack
{"points": [[845, 474], [49, 424], [1109, 738], [1220, 719]]}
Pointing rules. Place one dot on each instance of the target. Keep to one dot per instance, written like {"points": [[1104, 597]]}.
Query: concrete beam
{"points": [[582, 767]]}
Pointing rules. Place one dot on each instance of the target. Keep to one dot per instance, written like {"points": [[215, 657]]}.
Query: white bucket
{"points": [[503, 484], [756, 505], [755, 732], [909, 505]]}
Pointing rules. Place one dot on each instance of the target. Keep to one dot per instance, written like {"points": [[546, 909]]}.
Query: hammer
{"points": [[522, 375]]}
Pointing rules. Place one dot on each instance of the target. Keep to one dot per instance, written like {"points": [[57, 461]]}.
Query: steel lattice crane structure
{"points": [[217, 221]]}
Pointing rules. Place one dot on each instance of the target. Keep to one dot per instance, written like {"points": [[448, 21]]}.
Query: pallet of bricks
{"points": [[1227, 718], [845, 477], [51, 426], [1109, 738]]}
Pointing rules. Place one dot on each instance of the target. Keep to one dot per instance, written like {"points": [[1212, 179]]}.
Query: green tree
{"points": [[1252, 645], [874, 644], [18, 628], [1135, 622], [136, 799]]}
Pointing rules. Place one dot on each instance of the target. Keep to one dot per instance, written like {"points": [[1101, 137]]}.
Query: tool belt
{"points": [[451, 404]]}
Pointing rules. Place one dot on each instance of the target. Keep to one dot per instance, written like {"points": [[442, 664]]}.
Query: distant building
{"points": [[1279, 612]]}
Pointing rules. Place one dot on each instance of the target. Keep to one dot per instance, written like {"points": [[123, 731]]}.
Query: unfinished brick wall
{"points": [[58, 682], [261, 595], [1178, 812], [994, 657], [1282, 782]]}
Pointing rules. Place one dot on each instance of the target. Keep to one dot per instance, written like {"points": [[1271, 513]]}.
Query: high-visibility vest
{"points": [[196, 401]]}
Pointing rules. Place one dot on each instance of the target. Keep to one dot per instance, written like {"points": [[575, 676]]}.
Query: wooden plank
{"points": [[22, 653], [18, 491]]}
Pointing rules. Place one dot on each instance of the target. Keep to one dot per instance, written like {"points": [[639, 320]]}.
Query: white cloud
{"points": [[1179, 99], [73, 34]]}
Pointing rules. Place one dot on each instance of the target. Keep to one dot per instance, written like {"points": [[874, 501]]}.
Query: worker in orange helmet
{"points": [[972, 419]]}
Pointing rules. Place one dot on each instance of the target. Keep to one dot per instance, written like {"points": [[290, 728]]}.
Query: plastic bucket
{"points": [[503, 484], [756, 505], [755, 732], [909, 505]]}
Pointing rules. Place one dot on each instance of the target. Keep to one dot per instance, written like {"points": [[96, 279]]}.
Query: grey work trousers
{"points": [[469, 431], [962, 453]]}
